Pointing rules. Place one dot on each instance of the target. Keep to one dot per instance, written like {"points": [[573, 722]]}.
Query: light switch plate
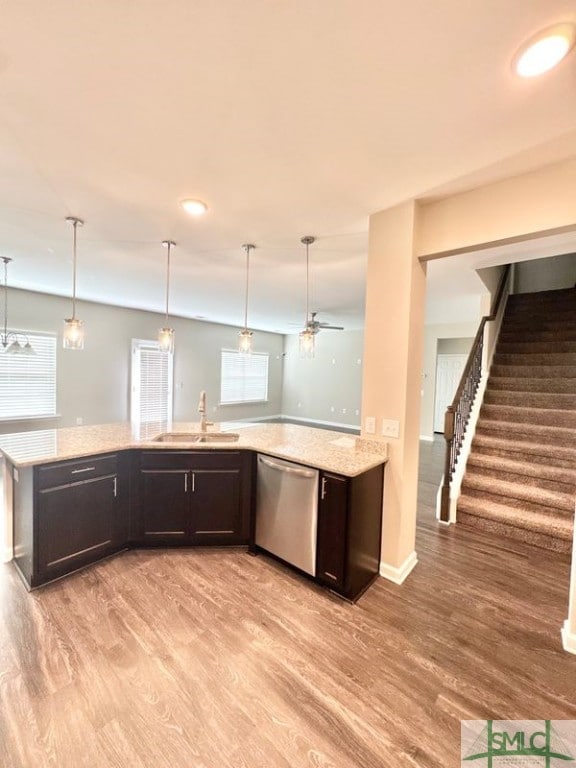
{"points": [[390, 428], [370, 425]]}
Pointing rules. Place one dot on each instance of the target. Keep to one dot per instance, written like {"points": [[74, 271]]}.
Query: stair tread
{"points": [[518, 491], [509, 445], [521, 415], [517, 517], [521, 468], [560, 401], [523, 428], [527, 384]]}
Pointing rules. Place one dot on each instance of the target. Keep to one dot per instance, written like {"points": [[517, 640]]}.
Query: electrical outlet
{"points": [[332, 409], [79, 421], [343, 410], [356, 412], [370, 425], [390, 428]]}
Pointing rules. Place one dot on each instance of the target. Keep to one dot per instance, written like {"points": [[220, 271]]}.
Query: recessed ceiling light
{"points": [[194, 207], [545, 50]]}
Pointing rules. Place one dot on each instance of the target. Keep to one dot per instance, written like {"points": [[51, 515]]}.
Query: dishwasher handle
{"points": [[288, 470]]}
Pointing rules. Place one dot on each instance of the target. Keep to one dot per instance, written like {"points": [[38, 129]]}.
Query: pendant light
{"points": [[307, 336], [73, 337], [166, 334], [245, 336], [14, 347]]}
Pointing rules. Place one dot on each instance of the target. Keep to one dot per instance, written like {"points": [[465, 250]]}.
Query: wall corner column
{"points": [[393, 351]]}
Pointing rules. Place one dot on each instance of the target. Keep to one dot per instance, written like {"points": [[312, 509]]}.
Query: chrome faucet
{"points": [[202, 411]]}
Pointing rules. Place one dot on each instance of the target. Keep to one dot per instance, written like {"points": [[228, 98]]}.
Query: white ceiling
{"points": [[287, 118]]}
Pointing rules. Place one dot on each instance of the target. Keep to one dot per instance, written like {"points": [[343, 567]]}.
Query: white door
{"points": [[448, 374]]}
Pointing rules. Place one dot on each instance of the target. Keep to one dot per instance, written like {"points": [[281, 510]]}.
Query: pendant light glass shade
{"points": [[166, 339], [73, 335], [307, 336], [14, 347], [245, 336], [307, 343], [245, 342], [166, 334]]}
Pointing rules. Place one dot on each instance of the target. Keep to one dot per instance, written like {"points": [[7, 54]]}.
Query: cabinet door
{"points": [[77, 524], [332, 529], [216, 508], [165, 505]]}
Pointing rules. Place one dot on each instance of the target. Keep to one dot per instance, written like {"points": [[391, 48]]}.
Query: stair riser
{"points": [[542, 416], [527, 347], [524, 384], [562, 546], [560, 457], [511, 336], [515, 503], [554, 360], [528, 473], [545, 438], [544, 521], [476, 475], [530, 399], [535, 372]]}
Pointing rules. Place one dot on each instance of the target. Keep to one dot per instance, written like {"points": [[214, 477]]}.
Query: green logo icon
{"points": [[518, 743]]}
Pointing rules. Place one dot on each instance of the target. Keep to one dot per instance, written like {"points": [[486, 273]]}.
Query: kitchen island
{"points": [[83, 493]]}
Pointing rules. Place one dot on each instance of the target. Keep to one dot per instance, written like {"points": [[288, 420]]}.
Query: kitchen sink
{"points": [[197, 437]]}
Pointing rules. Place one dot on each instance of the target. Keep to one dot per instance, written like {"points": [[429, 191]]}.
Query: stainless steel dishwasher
{"points": [[287, 511]]}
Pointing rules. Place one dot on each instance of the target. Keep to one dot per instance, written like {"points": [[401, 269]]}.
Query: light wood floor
{"points": [[215, 659]]}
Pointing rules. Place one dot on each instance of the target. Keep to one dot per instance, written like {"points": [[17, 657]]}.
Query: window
{"points": [[152, 377], [28, 382], [244, 377]]}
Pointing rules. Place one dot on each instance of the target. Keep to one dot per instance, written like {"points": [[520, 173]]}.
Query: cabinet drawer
{"points": [[63, 473], [190, 459]]}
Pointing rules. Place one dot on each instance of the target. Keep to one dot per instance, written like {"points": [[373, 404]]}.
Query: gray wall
{"points": [[94, 384], [327, 387], [455, 338], [455, 346], [545, 274]]}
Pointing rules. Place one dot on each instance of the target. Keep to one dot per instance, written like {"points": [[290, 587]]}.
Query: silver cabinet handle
{"points": [[193, 482], [330, 576], [86, 469], [288, 470], [323, 493], [115, 487], [185, 482]]}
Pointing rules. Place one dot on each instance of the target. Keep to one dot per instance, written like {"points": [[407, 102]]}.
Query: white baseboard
{"points": [[6, 555], [568, 638], [398, 575], [426, 438]]}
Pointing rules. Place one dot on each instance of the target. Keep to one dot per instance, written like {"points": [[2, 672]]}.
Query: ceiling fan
{"points": [[316, 325]]}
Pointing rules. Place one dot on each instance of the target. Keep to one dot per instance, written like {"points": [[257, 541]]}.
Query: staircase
{"points": [[520, 479]]}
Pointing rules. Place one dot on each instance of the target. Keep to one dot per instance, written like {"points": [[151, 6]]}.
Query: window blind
{"points": [[244, 377], [152, 383], [28, 382]]}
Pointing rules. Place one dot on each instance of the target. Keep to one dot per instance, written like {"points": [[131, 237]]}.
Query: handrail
{"points": [[458, 413]]}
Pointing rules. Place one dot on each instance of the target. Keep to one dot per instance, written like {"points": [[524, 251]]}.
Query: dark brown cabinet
{"points": [[349, 531], [68, 515], [165, 505], [192, 497]]}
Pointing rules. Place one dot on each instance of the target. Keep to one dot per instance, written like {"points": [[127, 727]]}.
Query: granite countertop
{"points": [[333, 451]]}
